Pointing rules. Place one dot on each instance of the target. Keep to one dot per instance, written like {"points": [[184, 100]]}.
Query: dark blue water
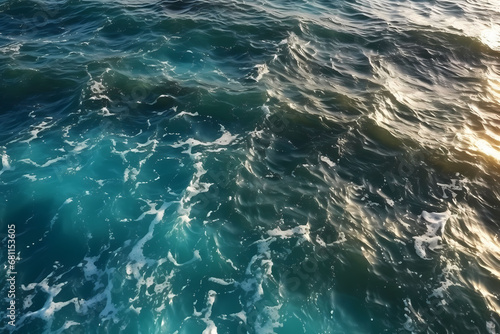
{"points": [[257, 166]]}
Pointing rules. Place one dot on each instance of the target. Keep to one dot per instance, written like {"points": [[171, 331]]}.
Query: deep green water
{"points": [[257, 166]]}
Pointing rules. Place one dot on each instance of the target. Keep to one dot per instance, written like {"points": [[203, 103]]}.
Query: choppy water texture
{"points": [[220, 166]]}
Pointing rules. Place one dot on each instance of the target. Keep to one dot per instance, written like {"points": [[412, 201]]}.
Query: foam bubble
{"points": [[435, 222]]}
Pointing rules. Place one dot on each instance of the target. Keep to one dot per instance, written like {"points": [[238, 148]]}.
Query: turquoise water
{"points": [[251, 166]]}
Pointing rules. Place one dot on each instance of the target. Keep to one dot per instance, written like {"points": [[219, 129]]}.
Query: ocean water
{"points": [[267, 166]]}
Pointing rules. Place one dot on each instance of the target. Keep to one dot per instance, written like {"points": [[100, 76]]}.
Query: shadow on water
{"points": [[62, 245]]}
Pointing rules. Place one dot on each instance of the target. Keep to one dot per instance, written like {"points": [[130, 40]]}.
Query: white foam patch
{"points": [[138, 260], [224, 258], [445, 281], [30, 177], [146, 147], [197, 187], [11, 48], [46, 164], [77, 146], [109, 308], [98, 89], [50, 307], [104, 112], [211, 328], [222, 281], [456, 185], [28, 301], [130, 173], [435, 222], [122, 154], [266, 111], [90, 269], [490, 327], [261, 70], [81, 146], [409, 313], [268, 320], [186, 113], [5, 164], [161, 97], [242, 315], [301, 231], [341, 239], [66, 325], [196, 257], [166, 285], [327, 161], [225, 139], [160, 113], [36, 129], [258, 269]]}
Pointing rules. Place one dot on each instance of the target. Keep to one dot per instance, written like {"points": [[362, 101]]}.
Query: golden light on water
{"points": [[493, 85], [480, 145], [488, 142], [484, 147], [490, 298], [480, 243], [491, 36], [487, 253]]}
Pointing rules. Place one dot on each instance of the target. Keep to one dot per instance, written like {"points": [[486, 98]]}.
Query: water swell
{"points": [[273, 167]]}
